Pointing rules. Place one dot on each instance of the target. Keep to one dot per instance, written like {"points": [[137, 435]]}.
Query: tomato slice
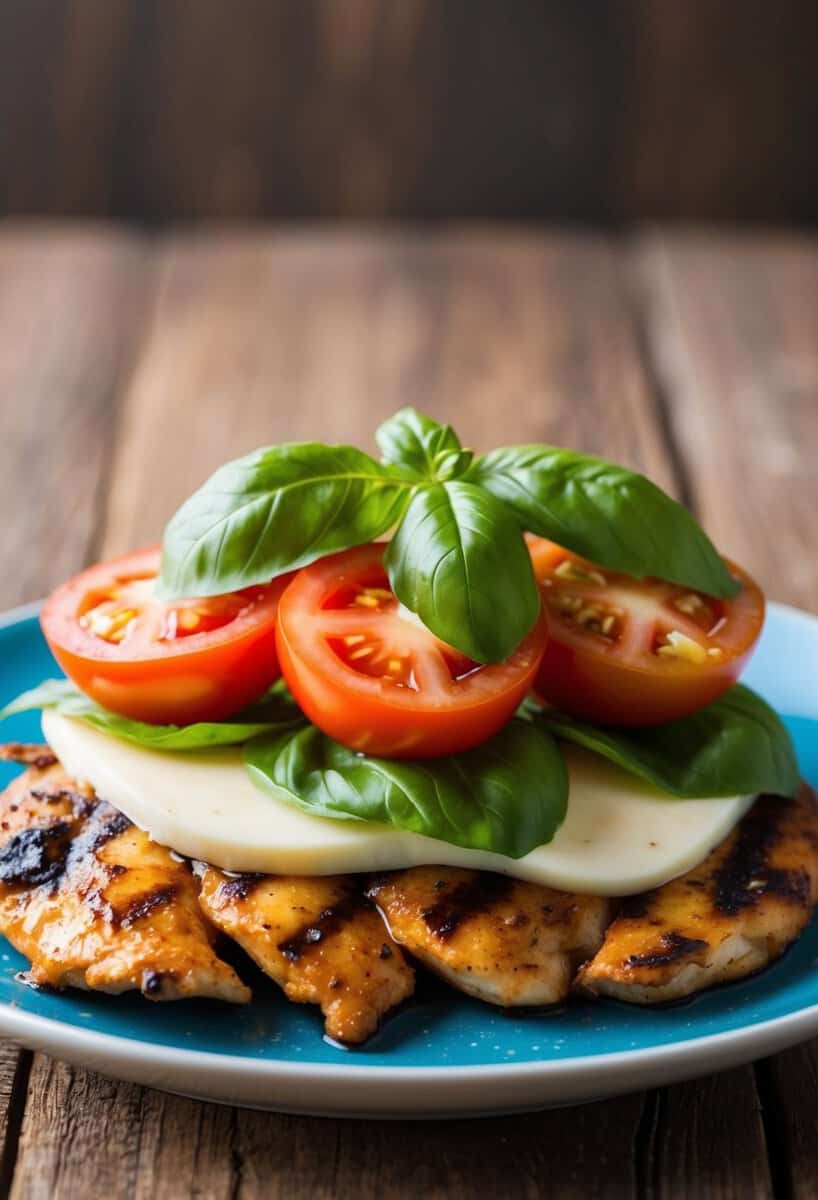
{"points": [[624, 651], [159, 661], [371, 676]]}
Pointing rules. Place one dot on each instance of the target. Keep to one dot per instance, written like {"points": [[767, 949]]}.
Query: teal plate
{"points": [[443, 1053]]}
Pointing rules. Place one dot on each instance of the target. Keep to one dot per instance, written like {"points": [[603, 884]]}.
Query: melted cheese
{"points": [[620, 836]]}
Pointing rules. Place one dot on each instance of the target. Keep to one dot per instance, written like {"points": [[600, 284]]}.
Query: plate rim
{"points": [[772, 1034], [15, 1022]]}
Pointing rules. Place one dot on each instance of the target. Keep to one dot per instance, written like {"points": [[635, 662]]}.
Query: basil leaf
{"points": [[421, 447], [277, 509], [508, 795], [604, 513], [459, 561], [735, 747], [275, 712]]}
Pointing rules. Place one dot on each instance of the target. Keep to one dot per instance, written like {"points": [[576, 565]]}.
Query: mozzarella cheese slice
{"points": [[620, 836]]}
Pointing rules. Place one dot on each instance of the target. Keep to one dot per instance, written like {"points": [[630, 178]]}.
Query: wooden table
{"points": [[131, 365]]}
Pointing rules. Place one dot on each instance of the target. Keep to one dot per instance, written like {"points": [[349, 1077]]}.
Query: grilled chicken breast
{"points": [[728, 917], [499, 939], [319, 938], [94, 903]]}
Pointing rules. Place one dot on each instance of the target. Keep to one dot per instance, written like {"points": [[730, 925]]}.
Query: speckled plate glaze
{"points": [[443, 1055]]}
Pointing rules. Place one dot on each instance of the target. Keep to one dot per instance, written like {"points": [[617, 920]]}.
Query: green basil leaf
{"points": [[604, 513], [273, 511], [276, 711], [508, 795], [420, 446], [735, 747], [459, 561]]}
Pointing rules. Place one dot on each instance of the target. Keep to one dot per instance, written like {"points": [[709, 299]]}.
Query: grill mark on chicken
{"points": [[328, 923], [94, 903], [675, 948], [45, 855], [35, 856], [725, 919], [746, 875], [28, 754], [634, 907], [238, 887], [143, 906], [464, 902], [80, 805], [105, 825], [39, 855]]}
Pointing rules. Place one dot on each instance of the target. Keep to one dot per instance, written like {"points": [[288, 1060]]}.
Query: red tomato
{"points": [[371, 676], [623, 651], [176, 661]]}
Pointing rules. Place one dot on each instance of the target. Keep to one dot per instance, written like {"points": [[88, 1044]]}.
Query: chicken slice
{"points": [[732, 915], [319, 938], [499, 939], [94, 903]]}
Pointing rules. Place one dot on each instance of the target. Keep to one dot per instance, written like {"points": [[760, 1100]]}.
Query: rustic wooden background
{"points": [[131, 364], [604, 110]]}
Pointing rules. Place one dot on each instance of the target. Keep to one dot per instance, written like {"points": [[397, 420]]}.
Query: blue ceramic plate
{"points": [[444, 1054]]}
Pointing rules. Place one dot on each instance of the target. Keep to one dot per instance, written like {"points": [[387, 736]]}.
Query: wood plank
{"points": [[789, 1087], [707, 1140], [68, 305], [99, 1137], [258, 338], [15, 1067], [735, 336], [733, 322], [578, 1154], [69, 310]]}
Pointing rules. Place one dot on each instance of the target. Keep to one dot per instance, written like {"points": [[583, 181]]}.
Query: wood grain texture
{"points": [[616, 110], [87, 1136], [69, 308], [15, 1068], [706, 1140], [733, 328], [94, 1137], [790, 1085]]}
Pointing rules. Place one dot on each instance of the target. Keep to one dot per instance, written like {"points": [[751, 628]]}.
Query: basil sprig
{"points": [[457, 557], [508, 795], [736, 746], [275, 712]]}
